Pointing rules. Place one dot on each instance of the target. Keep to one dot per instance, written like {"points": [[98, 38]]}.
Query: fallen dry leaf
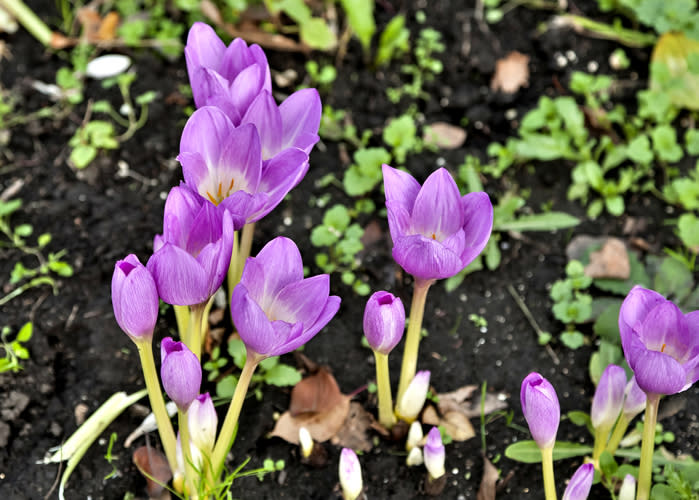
{"points": [[511, 73], [153, 465], [318, 393], [460, 400], [455, 423], [486, 491], [321, 426], [353, 433], [610, 261], [444, 135]]}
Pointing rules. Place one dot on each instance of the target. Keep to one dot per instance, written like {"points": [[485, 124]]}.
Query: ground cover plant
{"points": [[540, 214]]}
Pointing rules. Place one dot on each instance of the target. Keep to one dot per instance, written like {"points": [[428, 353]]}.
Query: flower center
{"points": [[662, 349], [219, 197], [434, 236]]}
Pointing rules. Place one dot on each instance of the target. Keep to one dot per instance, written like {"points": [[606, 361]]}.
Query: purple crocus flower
{"points": [[434, 454], [579, 486], [180, 371], [134, 298], [224, 163], [226, 77], [661, 344], [350, 472], [275, 309], [436, 232], [541, 409], [202, 420], [384, 321], [193, 254], [609, 397]]}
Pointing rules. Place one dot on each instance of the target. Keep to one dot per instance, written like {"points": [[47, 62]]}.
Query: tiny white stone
{"points": [[107, 66]]}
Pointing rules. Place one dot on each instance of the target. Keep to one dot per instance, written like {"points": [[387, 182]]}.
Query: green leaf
{"points": [[607, 324], [393, 41], [529, 453], [317, 34], [360, 14], [7, 207], [24, 230], [665, 143], [670, 71], [607, 464], [82, 156], [236, 349], [549, 221], [25, 333], [673, 279], [492, 254], [608, 353], [43, 240], [282, 376], [225, 388], [688, 230], [615, 205], [146, 97], [691, 139], [269, 363], [337, 217], [61, 268], [639, 150], [322, 236], [580, 418], [573, 339]]}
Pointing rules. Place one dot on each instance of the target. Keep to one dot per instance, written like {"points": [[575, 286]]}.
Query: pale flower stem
{"points": [[547, 469], [412, 337], [182, 318], [618, 434], [645, 470], [157, 404], [383, 383], [232, 277], [246, 236], [189, 471], [225, 437], [601, 435], [194, 338]]}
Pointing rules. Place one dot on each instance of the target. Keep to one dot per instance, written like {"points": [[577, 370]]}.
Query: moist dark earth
{"points": [[79, 356]]}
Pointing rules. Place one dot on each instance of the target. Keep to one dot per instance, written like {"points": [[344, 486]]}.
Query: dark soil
{"points": [[79, 355]]}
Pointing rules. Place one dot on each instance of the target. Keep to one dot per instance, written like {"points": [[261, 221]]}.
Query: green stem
{"points": [[619, 431], [412, 337], [601, 435], [225, 437], [194, 338], [646, 468], [29, 20], [383, 382], [157, 404], [189, 471], [547, 469], [232, 277], [182, 318], [245, 247]]}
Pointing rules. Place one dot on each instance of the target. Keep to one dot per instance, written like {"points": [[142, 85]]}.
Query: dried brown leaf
{"points": [[455, 423], [318, 393], [444, 135], [511, 73], [610, 261], [487, 489], [152, 464], [322, 426], [353, 433], [461, 400]]}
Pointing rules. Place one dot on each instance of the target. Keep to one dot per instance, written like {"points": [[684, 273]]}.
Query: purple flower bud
{"points": [[180, 371], [541, 409], [434, 454], [134, 298], [609, 397], [384, 321], [580, 484], [275, 309], [436, 232], [635, 401], [661, 344], [350, 474], [192, 256], [202, 420], [410, 405], [628, 488]]}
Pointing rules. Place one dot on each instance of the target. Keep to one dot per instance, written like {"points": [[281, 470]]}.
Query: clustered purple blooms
{"points": [[661, 344]]}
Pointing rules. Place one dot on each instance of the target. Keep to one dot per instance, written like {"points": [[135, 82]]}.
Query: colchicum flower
{"points": [[434, 454], [384, 321], [661, 344], [226, 77], [224, 163], [275, 309], [134, 298], [202, 420], [541, 409], [180, 371], [436, 232], [628, 488], [350, 474], [580, 484], [609, 397], [410, 405], [634, 401], [414, 436], [192, 256]]}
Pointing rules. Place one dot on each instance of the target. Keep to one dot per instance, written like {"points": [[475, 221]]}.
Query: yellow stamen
{"points": [[231, 186], [434, 236], [662, 349], [213, 200], [220, 190]]}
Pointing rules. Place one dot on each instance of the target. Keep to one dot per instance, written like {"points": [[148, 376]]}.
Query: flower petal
{"points": [[251, 322], [204, 48], [281, 261], [280, 175], [246, 87], [398, 220], [665, 329], [301, 301], [478, 224], [401, 188], [206, 133], [426, 258], [655, 372], [328, 312], [437, 211], [179, 277], [241, 157], [264, 114], [208, 84], [300, 114], [634, 309]]}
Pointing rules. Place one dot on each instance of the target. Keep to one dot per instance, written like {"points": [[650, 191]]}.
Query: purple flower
{"points": [[384, 321], [541, 409], [634, 401], [275, 309], [224, 163], [192, 256], [661, 345], [180, 371], [350, 474], [202, 420], [434, 453], [226, 77], [609, 397], [579, 486], [134, 298], [436, 232]]}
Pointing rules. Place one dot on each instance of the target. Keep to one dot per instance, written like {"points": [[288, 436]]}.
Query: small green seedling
{"points": [[15, 350]]}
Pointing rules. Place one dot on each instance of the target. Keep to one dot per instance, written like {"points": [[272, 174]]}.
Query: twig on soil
{"points": [[527, 314]]}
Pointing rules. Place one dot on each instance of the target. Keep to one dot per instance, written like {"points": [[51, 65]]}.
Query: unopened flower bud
{"points": [[384, 321], [410, 405], [609, 397], [579, 486], [541, 409], [414, 457], [203, 420], [180, 371], [628, 488], [134, 298], [305, 442], [415, 435], [635, 401], [350, 475], [434, 454]]}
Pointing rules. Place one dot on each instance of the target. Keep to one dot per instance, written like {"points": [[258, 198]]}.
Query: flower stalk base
{"points": [[412, 337]]}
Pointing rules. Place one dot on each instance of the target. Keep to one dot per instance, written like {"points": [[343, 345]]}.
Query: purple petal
{"points": [[242, 205], [634, 309], [206, 133], [655, 372], [179, 277], [437, 209], [401, 188], [541, 409], [180, 372], [207, 85], [282, 264], [579, 486], [398, 220], [300, 115], [280, 175], [289, 336], [241, 158], [665, 329], [251, 322], [237, 57], [246, 87], [194, 169], [478, 224], [204, 48], [260, 59], [263, 113], [426, 258], [134, 298], [608, 400], [301, 301], [328, 312]]}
